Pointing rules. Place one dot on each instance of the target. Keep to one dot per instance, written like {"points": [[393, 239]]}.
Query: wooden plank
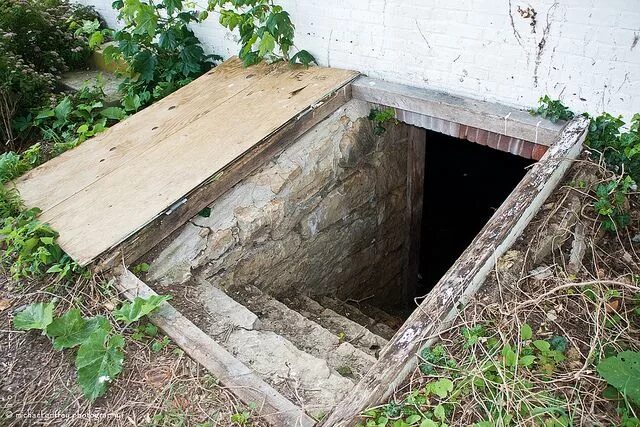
{"points": [[416, 152], [163, 225], [463, 279], [235, 376], [66, 175], [489, 116], [124, 200]]}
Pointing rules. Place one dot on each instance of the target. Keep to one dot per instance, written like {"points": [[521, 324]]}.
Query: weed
{"points": [[380, 118], [553, 110], [100, 354]]}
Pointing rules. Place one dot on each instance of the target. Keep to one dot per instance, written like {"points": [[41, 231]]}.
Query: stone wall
{"points": [[326, 217]]}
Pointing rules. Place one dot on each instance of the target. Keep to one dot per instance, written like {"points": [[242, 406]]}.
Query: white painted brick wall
{"points": [[590, 56]]}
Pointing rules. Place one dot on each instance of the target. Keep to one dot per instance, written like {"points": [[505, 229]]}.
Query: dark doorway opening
{"points": [[464, 184]]}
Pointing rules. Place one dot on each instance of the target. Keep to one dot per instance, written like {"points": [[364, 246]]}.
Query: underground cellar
{"points": [[288, 247]]}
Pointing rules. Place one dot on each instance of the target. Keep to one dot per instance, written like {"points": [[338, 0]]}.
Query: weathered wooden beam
{"points": [[485, 115], [416, 151], [464, 278], [235, 376], [164, 224]]}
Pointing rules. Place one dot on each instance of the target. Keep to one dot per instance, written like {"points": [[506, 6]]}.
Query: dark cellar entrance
{"points": [[464, 184]]}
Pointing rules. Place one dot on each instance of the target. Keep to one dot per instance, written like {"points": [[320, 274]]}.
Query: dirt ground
{"points": [[161, 387]]}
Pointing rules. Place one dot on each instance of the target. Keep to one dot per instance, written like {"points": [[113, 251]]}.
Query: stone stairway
{"points": [[312, 351]]}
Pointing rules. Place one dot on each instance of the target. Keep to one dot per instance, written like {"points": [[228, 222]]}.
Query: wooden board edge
{"points": [[463, 279], [489, 116], [235, 376], [139, 243]]}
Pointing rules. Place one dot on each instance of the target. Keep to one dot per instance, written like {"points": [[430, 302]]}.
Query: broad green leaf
{"points": [[623, 372], [145, 63], [71, 329], [191, 58], [439, 413], [146, 20], [172, 5], [510, 357], [133, 311], [113, 113], [413, 419], [526, 360], [45, 114], [34, 316], [526, 332], [303, 57], [428, 423], [99, 361], [441, 388], [267, 44], [63, 109], [542, 345]]}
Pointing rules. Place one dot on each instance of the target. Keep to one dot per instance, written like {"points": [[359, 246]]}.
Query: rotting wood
{"points": [[463, 279], [489, 116], [416, 151], [233, 374], [163, 225], [190, 143]]}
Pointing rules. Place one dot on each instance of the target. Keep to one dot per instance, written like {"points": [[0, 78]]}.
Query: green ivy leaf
{"points": [[34, 316], [71, 329], [133, 311], [99, 361]]}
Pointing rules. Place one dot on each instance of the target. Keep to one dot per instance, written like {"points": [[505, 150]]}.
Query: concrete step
{"points": [[304, 333], [351, 312], [76, 80], [346, 329], [307, 380]]}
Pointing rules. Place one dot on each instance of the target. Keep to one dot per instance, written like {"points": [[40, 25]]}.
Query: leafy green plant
{"points": [[619, 149], [75, 118], [552, 109], [266, 30], [611, 203], [380, 118], [39, 43], [30, 248], [162, 51], [622, 371], [100, 355]]}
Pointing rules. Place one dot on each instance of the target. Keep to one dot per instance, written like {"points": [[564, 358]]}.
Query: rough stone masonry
{"points": [[326, 217]]}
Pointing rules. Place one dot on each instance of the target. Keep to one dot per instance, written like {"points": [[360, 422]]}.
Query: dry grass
{"points": [[156, 388], [591, 304]]}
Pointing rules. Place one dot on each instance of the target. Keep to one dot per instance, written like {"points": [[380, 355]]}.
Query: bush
{"points": [[38, 42], [162, 51]]}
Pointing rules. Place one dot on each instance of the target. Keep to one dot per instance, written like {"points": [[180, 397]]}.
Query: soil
{"points": [[156, 388]]}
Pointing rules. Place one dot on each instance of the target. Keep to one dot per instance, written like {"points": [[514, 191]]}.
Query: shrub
{"points": [[38, 42], [162, 51]]}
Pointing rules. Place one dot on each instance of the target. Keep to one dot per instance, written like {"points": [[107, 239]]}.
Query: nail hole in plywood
{"points": [[172, 107]]}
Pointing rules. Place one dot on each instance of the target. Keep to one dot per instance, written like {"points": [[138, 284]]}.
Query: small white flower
{"points": [[103, 379]]}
